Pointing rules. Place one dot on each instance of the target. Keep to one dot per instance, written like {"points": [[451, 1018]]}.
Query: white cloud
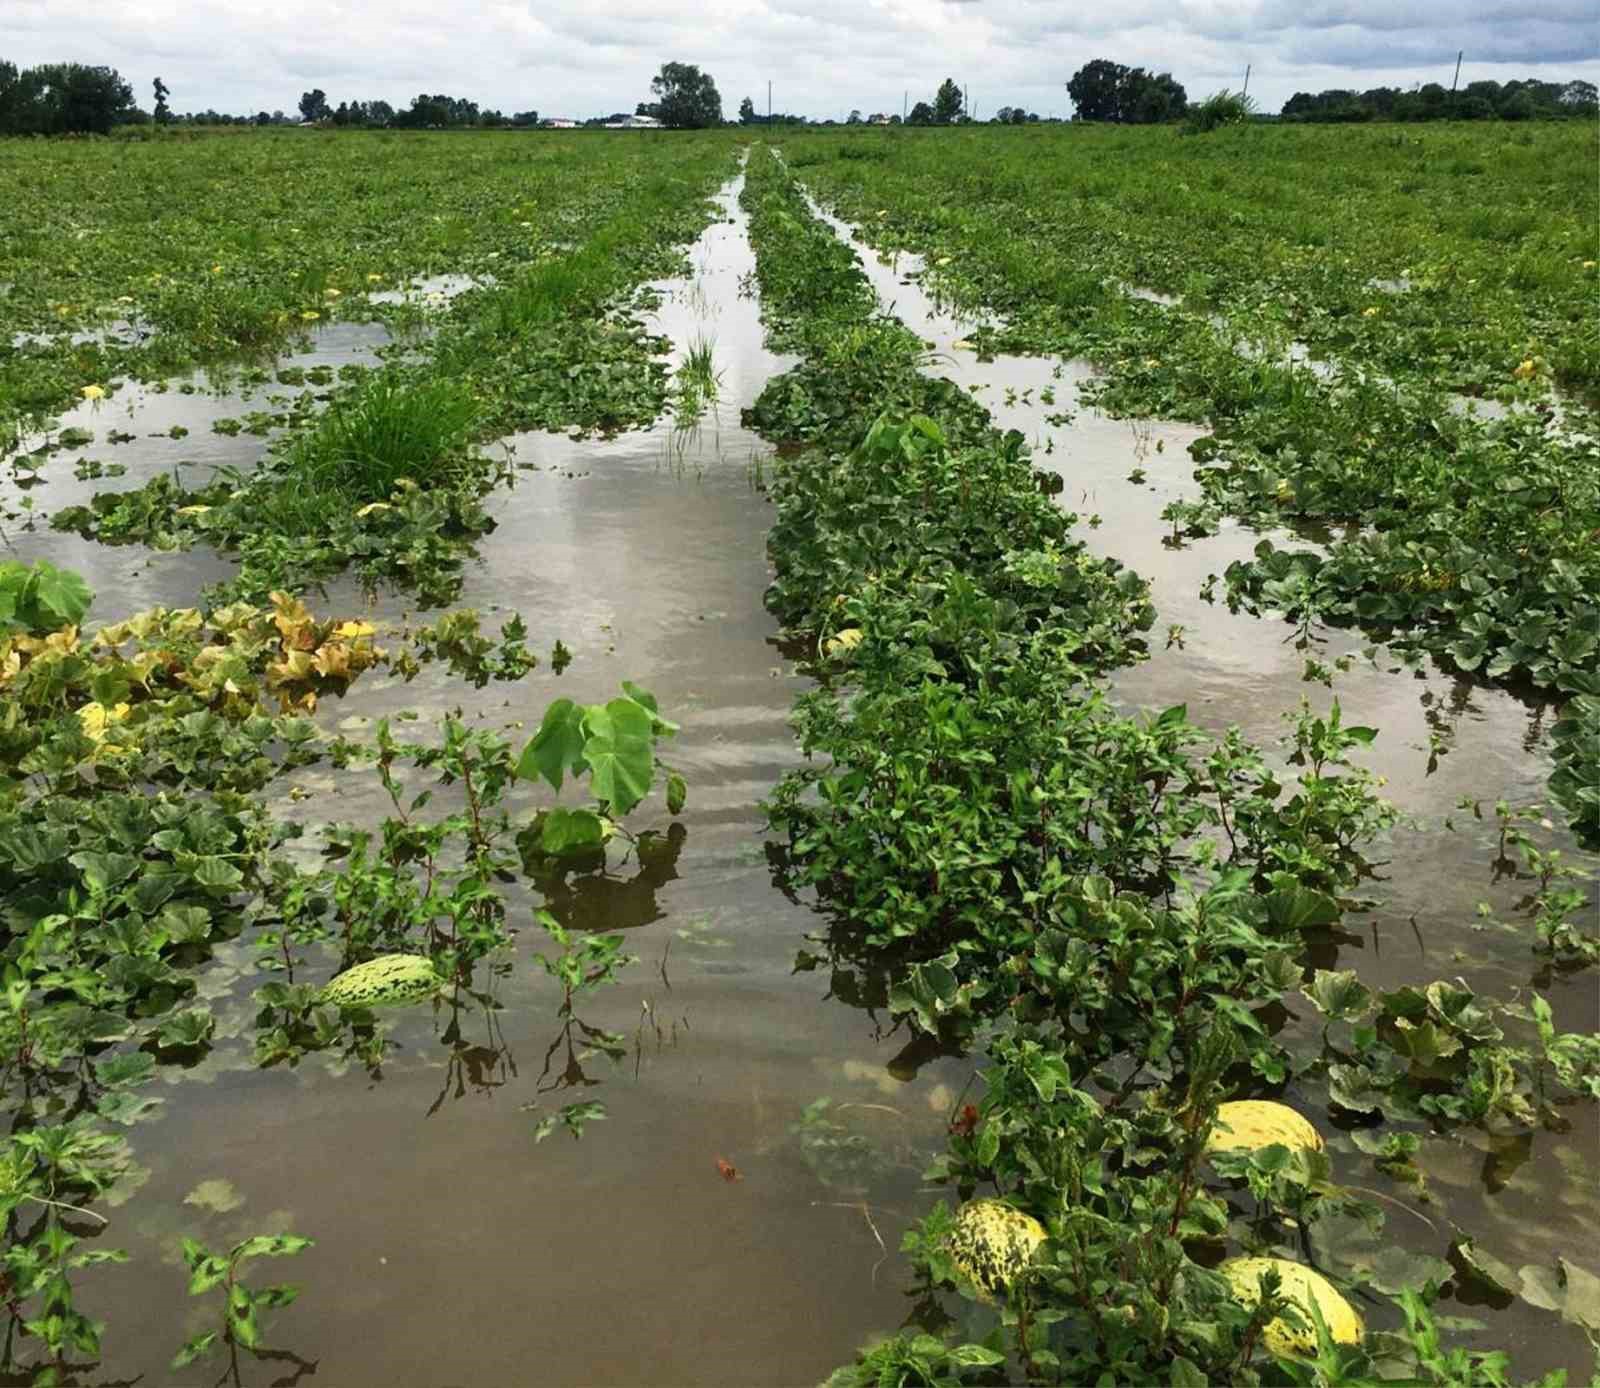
{"points": [[824, 57]]}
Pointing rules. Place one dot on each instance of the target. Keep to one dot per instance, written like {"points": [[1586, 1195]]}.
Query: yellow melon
{"points": [[1303, 1286], [993, 1243], [1247, 1125]]}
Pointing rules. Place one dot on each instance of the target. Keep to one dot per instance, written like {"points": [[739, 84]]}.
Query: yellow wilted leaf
{"points": [[332, 660], [1525, 371], [372, 506], [293, 621], [295, 665], [350, 631], [846, 640], [96, 718], [191, 510]]}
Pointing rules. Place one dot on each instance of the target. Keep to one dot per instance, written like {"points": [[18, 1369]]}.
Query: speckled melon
{"points": [[1247, 1125], [993, 1243], [1302, 1285], [387, 981]]}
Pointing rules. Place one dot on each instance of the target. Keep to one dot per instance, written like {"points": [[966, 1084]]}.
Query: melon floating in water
{"points": [[992, 1244], [387, 981], [1303, 1286], [1247, 1125]]}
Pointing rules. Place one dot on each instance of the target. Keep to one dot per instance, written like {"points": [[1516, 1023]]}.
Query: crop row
{"points": [[143, 261], [1115, 911], [389, 477], [1466, 538]]}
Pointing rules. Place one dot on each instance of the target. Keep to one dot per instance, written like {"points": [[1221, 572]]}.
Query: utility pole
{"points": [[904, 105], [1457, 77], [769, 101], [1246, 91]]}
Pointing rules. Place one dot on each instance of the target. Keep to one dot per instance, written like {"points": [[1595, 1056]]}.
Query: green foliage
{"points": [[1112, 910], [1218, 110], [1576, 781], [242, 1305], [613, 743], [1456, 535], [40, 598]]}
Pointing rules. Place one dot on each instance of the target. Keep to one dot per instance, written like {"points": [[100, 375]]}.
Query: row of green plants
{"points": [[1464, 538], [143, 261], [1118, 913], [391, 475], [146, 780]]}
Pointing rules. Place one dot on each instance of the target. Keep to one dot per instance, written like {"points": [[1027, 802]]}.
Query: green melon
{"points": [[390, 980], [992, 1244], [1303, 1286], [1247, 1125]]}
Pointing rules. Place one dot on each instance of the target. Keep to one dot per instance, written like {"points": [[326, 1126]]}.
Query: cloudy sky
{"points": [[824, 57]]}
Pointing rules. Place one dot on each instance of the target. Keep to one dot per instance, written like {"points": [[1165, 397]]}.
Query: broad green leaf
{"points": [[242, 1323], [59, 595], [131, 1067], [677, 793], [1485, 1268], [974, 1357], [1339, 995], [563, 831], [1300, 908], [104, 871], [1567, 1289], [648, 700], [620, 751], [557, 747]]}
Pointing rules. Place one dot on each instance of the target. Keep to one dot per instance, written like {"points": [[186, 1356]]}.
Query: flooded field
{"points": [[769, 1105]]}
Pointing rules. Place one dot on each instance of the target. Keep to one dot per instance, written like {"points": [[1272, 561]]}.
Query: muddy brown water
{"points": [[454, 1250]]}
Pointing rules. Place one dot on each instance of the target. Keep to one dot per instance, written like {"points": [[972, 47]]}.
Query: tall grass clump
{"points": [[387, 430], [1217, 110]]}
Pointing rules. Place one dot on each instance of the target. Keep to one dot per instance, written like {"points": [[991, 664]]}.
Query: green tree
{"points": [[314, 105], [921, 114], [163, 111], [1580, 98], [747, 112], [947, 102], [1148, 99], [1103, 90], [686, 98], [62, 99], [1094, 89]]}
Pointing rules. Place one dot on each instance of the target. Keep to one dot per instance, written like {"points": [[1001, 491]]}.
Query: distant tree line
{"points": [[748, 115], [1525, 100], [436, 112], [63, 98]]}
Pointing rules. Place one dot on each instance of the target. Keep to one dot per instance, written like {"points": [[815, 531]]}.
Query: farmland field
{"points": [[609, 727]]}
